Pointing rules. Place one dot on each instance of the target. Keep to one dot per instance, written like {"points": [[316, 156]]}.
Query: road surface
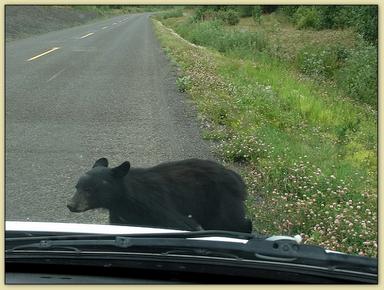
{"points": [[72, 96]]}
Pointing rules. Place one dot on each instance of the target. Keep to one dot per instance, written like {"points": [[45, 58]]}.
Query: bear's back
{"points": [[202, 189]]}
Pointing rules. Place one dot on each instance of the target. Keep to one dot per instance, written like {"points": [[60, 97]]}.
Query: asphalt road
{"points": [[72, 96]]}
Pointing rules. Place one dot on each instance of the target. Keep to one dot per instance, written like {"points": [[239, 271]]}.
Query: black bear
{"points": [[192, 194]]}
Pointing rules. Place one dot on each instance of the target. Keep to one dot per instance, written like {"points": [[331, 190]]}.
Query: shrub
{"points": [[204, 13], [208, 13], [231, 16], [341, 18], [288, 11], [358, 76], [320, 62], [268, 9], [246, 10], [256, 14], [198, 15], [307, 17], [363, 18], [327, 15]]}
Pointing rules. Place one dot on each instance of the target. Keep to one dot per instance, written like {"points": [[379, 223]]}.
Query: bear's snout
{"points": [[78, 203], [71, 206]]}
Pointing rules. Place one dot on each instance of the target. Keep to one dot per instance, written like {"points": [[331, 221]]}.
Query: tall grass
{"points": [[352, 68], [358, 76], [177, 12], [213, 34]]}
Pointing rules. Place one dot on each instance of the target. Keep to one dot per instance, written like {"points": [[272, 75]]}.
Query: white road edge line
{"points": [[89, 34], [105, 27], [55, 75], [44, 53]]}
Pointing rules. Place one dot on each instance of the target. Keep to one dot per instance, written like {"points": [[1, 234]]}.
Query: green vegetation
{"points": [[341, 58], [358, 76], [212, 34], [183, 83], [225, 14], [175, 12], [290, 115], [363, 19]]}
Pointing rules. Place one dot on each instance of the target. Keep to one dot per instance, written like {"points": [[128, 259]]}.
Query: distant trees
{"points": [[363, 18]]}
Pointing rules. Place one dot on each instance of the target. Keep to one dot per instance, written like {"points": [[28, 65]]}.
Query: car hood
{"points": [[77, 228]]}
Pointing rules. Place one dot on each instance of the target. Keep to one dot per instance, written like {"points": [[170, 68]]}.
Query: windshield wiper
{"points": [[283, 249], [182, 239]]}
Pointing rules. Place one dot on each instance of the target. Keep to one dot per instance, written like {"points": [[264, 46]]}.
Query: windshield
{"points": [[253, 119]]}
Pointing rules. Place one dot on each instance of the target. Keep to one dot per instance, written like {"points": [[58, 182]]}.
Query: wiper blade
{"points": [[254, 248], [118, 242]]}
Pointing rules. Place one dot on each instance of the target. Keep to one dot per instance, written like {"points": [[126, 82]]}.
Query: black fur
{"points": [[191, 194]]}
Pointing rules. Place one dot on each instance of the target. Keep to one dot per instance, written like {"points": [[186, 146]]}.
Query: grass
{"points": [[307, 153], [338, 58]]}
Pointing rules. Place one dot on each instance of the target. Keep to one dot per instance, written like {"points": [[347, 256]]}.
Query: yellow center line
{"points": [[84, 36], [44, 53]]}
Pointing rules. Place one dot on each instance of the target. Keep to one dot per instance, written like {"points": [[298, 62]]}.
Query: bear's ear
{"points": [[101, 162], [121, 170]]}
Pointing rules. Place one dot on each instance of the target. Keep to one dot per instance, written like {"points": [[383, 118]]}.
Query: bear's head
{"points": [[99, 187]]}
